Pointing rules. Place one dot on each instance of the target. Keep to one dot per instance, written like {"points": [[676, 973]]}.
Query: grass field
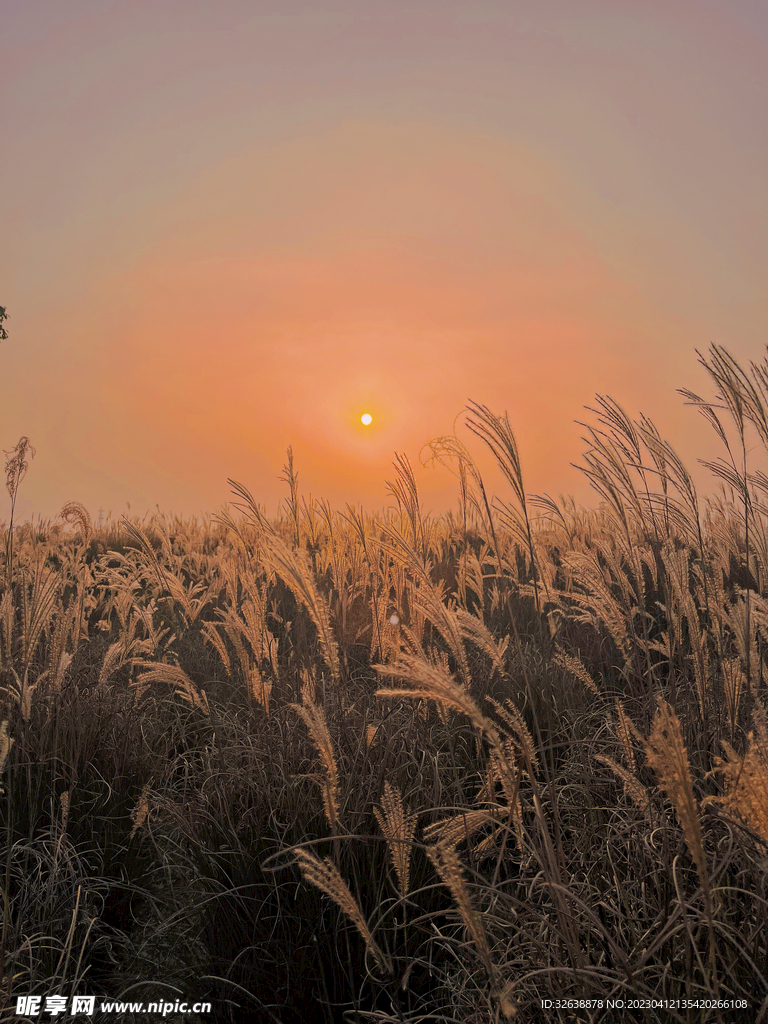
{"points": [[392, 768]]}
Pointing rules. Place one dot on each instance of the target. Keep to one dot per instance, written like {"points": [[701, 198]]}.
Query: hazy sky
{"points": [[230, 227]]}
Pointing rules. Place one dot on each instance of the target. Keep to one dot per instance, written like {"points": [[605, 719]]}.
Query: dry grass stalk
{"points": [[308, 687], [16, 467], [738, 618], [446, 862], [411, 637], [140, 812], [113, 660], [292, 567], [259, 688], [448, 866], [388, 636], [759, 628], [27, 693], [746, 780], [6, 742], [471, 578], [438, 685], [626, 730], [173, 676], [64, 631], [501, 771], [372, 735], [55, 673], [428, 599], [497, 433], [235, 629], [291, 477], [760, 721], [433, 682], [313, 717], [254, 616], [598, 600], [6, 623], [700, 650], [39, 594], [140, 538], [669, 759], [632, 785], [734, 679], [374, 577], [514, 721], [404, 491], [576, 668], [130, 646], [457, 828], [325, 875], [398, 828], [474, 630], [64, 801], [213, 636], [73, 511], [426, 602]]}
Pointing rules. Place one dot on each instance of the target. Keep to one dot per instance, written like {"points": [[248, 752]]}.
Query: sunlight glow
{"points": [[366, 419]]}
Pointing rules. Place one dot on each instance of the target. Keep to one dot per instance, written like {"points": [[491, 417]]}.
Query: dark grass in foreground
{"points": [[387, 768]]}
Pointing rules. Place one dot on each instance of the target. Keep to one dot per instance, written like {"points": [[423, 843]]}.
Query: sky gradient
{"points": [[232, 227]]}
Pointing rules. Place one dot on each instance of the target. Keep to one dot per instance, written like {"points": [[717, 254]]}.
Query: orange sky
{"points": [[230, 228]]}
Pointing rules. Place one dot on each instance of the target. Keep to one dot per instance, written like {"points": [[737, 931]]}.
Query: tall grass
{"points": [[391, 767]]}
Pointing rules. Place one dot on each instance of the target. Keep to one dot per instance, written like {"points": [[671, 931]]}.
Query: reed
{"points": [[521, 748]]}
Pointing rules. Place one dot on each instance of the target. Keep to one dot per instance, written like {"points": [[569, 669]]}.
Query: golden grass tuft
{"points": [[291, 565], [432, 682], [668, 757], [446, 862], [74, 512], [576, 668], [214, 638], [398, 828], [632, 785], [458, 828], [626, 730], [746, 780], [159, 672], [515, 722], [313, 717], [734, 680], [259, 688], [325, 875]]}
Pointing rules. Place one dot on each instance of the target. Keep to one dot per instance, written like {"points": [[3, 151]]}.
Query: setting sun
{"points": [[366, 419]]}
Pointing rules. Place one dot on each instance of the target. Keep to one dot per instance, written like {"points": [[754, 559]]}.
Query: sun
{"points": [[366, 419]]}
